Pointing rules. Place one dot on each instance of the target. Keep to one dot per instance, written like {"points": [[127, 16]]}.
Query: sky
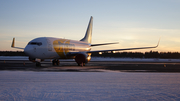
{"points": [[132, 23]]}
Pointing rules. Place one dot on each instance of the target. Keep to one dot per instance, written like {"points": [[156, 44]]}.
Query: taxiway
{"points": [[93, 66]]}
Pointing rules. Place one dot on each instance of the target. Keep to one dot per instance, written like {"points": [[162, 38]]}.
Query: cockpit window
{"points": [[35, 43]]}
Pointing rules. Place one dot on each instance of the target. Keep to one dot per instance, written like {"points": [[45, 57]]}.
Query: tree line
{"points": [[151, 54], [12, 53]]}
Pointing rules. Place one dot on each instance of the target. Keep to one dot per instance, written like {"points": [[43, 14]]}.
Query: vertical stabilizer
{"points": [[88, 35]]}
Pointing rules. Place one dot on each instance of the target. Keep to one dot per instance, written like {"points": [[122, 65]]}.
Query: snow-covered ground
{"points": [[14, 58], [88, 86], [99, 59]]}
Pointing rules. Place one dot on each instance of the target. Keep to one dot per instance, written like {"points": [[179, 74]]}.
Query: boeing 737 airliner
{"points": [[42, 48]]}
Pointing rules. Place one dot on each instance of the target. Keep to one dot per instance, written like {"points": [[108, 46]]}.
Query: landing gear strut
{"points": [[82, 64], [38, 64], [55, 62]]}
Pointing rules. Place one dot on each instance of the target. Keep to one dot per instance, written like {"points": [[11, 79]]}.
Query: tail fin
{"points": [[88, 35]]}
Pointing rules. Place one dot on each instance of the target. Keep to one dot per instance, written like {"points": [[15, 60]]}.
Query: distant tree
{"points": [[12, 53], [151, 54]]}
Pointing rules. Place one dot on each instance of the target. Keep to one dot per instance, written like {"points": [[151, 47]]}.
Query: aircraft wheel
{"points": [[57, 62], [82, 64], [38, 64], [54, 62]]}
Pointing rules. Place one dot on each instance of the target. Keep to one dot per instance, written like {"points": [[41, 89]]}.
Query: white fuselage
{"points": [[54, 48]]}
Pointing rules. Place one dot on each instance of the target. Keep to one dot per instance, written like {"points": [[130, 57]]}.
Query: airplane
{"points": [[42, 48]]}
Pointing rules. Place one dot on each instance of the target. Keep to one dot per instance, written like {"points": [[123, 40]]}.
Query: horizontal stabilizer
{"points": [[104, 44]]}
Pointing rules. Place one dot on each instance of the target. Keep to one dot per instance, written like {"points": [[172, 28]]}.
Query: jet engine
{"points": [[82, 58]]}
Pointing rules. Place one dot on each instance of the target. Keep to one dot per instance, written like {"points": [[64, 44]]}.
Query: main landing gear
{"points": [[38, 64], [82, 64], [55, 62]]}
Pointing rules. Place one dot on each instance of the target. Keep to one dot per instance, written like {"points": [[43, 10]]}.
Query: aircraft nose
{"points": [[28, 50]]}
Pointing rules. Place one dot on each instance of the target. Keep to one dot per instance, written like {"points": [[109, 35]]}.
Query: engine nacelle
{"points": [[82, 58]]}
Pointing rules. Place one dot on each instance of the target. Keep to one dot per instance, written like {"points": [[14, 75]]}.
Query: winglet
{"points": [[158, 42], [13, 42]]}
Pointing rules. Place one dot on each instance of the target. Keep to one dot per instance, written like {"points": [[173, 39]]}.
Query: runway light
{"points": [[100, 52]]}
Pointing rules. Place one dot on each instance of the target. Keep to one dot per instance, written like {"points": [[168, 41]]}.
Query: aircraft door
{"points": [[49, 45]]}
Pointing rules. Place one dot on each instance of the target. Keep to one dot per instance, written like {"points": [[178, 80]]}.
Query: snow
{"points": [[14, 58], [88, 86]]}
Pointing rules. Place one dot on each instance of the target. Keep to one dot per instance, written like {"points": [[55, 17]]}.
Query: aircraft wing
{"points": [[120, 49], [124, 49], [75, 53], [104, 44]]}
